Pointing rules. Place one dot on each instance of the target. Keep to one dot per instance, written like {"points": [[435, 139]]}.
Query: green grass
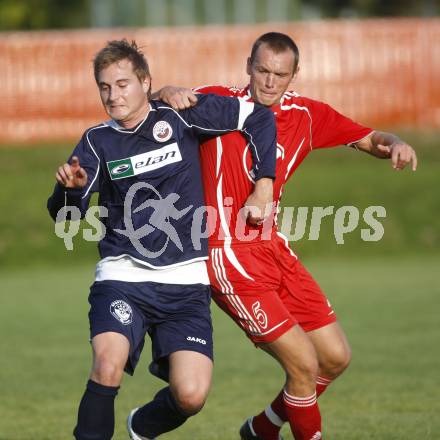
{"points": [[387, 306], [386, 295]]}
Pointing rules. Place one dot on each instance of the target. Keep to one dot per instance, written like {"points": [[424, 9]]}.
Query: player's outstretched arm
{"points": [[389, 146], [75, 181], [71, 175], [179, 98], [71, 179]]}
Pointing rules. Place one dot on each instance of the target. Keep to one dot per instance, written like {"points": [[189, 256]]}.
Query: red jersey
{"points": [[303, 124]]}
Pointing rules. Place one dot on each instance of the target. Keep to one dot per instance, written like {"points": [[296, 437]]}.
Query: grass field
{"points": [[387, 306], [386, 294]]}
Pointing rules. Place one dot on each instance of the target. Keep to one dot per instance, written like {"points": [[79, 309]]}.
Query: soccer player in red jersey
{"points": [[256, 278]]}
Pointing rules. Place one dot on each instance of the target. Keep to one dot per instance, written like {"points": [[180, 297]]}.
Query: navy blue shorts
{"points": [[176, 317]]}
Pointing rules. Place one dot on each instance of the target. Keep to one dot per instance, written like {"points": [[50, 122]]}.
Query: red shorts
{"points": [[265, 289]]}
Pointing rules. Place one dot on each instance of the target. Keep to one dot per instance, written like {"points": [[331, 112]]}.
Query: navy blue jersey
{"points": [[148, 177]]}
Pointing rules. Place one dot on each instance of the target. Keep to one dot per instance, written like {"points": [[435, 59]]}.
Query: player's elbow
{"points": [[52, 209]]}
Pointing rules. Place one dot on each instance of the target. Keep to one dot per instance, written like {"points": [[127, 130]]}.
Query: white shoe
{"points": [[131, 433]]}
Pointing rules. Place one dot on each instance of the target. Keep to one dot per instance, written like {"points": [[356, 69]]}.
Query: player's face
{"points": [[124, 96], [271, 74]]}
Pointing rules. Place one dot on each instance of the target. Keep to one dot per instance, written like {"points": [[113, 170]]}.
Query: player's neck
{"points": [[133, 120]]}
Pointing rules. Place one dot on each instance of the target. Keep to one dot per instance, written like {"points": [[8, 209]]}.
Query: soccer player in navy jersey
{"points": [[152, 277], [261, 284]]}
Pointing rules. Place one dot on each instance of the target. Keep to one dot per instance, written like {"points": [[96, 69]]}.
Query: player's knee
{"points": [[308, 368], [190, 398], [107, 371], [341, 360], [337, 362], [304, 371]]}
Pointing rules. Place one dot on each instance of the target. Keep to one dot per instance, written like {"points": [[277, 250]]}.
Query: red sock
{"points": [[321, 385], [268, 423], [304, 417]]}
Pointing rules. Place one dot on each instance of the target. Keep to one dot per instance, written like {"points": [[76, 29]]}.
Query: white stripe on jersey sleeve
{"points": [[97, 157], [246, 108]]}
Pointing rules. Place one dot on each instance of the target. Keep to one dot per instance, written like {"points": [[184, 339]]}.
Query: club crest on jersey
{"points": [[121, 311], [162, 131]]}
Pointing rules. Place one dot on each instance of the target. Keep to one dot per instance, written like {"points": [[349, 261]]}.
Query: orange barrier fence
{"points": [[380, 72]]}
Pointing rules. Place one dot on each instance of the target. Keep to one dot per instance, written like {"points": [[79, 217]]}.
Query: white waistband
{"points": [[129, 270]]}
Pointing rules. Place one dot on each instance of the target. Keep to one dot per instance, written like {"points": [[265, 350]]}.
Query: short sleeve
{"points": [[330, 128]]}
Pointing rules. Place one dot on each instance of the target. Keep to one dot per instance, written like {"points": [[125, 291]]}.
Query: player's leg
{"points": [[96, 409], [303, 299], [190, 379], [110, 354], [182, 348], [114, 324], [334, 353], [268, 324], [297, 356], [334, 356], [256, 306]]}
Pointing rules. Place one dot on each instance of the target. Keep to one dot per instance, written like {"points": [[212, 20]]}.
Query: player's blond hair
{"points": [[118, 50]]}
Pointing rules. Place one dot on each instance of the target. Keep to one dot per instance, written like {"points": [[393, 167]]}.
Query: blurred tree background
{"points": [[63, 14]]}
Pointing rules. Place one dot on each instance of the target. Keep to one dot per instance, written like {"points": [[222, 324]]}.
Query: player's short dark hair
{"points": [[118, 50], [277, 42]]}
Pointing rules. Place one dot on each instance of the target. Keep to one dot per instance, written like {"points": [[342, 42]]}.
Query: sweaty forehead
{"points": [[122, 69], [274, 60]]}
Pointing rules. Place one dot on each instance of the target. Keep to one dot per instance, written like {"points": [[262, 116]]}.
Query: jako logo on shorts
{"points": [[121, 311], [193, 339]]}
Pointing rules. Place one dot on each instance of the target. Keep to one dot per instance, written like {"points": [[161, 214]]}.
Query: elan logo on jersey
{"points": [[145, 162]]}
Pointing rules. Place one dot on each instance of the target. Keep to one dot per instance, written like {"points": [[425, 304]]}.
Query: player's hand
{"points": [[400, 153], [71, 175], [178, 97], [259, 204]]}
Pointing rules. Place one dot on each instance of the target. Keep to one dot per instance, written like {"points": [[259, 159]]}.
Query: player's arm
{"points": [[217, 115], [71, 175], [388, 146], [76, 180], [258, 205], [181, 98], [331, 128]]}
